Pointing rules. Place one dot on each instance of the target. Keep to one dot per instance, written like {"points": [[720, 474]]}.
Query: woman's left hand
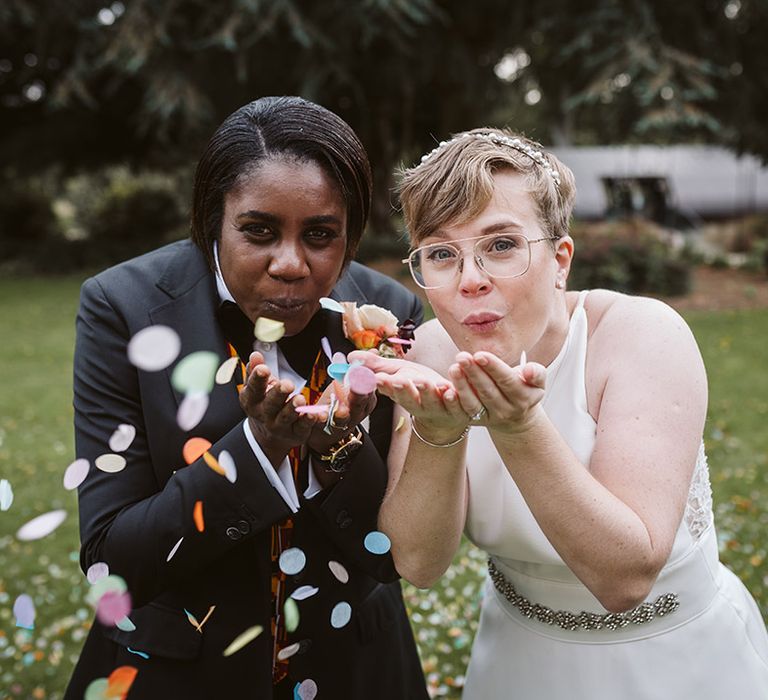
{"points": [[501, 397]]}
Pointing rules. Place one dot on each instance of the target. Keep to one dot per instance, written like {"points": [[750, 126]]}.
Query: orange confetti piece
{"points": [[197, 514], [213, 463], [194, 448], [120, 681]]}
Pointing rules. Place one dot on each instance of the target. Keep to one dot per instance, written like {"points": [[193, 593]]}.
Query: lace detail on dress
{"points": [[698, 509]]}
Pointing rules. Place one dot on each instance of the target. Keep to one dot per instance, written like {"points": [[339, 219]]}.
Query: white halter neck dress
{"points": [[709, 643]]}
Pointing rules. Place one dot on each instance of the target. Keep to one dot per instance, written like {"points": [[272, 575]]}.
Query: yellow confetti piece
{"points": [[245, 638], [213, 463], [197, 514], [268, 330], [400, 423]]}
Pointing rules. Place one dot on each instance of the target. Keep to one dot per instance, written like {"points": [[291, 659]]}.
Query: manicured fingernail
{"points": [[482, 360]]}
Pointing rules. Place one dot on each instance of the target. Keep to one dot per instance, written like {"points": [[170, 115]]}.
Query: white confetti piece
{"points": [[97, 571], [154, 348], [242, 639], [228, 465], [267, 330], [173, 551], [125, 624], [76, 473], [97, 689], [191, 410], [292, 561], [341, 615], [307, 690], [326, 346], [110, 463], [289, 651], [338, 571], [195, 373], [41, 526], [122, 438], [6, 494], [304, 592], [331, 305], [226, 370], [24, 612], [377, 543]]}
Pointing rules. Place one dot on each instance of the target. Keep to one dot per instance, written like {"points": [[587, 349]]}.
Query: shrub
{"points": [[631, 256]]}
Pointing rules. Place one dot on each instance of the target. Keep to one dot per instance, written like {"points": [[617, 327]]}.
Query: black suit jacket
{"points": [[133, 518]]}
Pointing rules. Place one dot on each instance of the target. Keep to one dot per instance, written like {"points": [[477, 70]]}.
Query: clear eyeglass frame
{"points": [[412, 258]]}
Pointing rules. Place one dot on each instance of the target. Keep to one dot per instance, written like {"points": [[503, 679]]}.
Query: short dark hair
{"points": [[271, 127]]}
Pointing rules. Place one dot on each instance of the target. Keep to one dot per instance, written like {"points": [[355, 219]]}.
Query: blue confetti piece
{"points": [[338, 370], [377, 542], [142, 654], [341, 614]]}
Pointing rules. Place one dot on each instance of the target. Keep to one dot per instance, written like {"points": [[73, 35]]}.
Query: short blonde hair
{"points": [[454, 182]]}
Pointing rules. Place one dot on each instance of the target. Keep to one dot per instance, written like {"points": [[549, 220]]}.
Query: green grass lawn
{"points": [[37, 322]]}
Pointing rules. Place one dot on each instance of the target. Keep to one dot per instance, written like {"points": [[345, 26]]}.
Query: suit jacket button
{"points": [[244, 526], [233, 533], [343, 520]]}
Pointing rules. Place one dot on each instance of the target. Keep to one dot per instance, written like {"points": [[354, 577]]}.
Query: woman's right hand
{"points": [[272, 417], [430, 398]]}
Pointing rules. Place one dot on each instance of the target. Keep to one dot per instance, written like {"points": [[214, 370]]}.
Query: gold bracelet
{"points": [[437, 444]]}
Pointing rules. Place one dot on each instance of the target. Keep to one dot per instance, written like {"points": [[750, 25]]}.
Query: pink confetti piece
{"points": [[313, 410], [338, 571], [307, 690], [76, 473], [399, 341], [361, 380], [191, 410], [339, 358], [41, 526], [112, 607]]}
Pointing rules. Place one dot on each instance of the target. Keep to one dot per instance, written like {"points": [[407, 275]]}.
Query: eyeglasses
{"points": [[499, 255]]}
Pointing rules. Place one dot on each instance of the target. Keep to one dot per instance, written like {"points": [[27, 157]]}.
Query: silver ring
{"points": [[479, 415]]}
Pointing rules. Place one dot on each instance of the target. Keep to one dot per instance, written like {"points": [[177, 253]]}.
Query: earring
{"points": [[560, 284]]}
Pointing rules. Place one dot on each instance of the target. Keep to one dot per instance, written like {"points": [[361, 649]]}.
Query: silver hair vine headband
{"points": [[503, 140]]}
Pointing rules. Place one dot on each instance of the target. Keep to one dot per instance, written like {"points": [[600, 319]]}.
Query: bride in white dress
{"points": [[562, 432]]}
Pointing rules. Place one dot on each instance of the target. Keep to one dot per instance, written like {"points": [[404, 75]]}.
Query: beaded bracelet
{"points": [[436, 444]]}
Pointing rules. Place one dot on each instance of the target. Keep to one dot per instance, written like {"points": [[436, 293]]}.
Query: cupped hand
{"points": [[511, 396], [429, 397], [271, 414]]}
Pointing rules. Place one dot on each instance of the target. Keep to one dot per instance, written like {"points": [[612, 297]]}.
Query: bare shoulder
{"points": [[433, 347]]}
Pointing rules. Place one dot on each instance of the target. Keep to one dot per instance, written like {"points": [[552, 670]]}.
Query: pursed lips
{"points": [[481, 320]]}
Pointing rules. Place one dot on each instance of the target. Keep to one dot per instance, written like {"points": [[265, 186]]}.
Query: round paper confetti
{"points": [[361, 380], [154, 348], [292, 561], [110, 463], [337, 370], [268, 331], [113, 607], [6, 494], [226, 370], [108, 584], [377, 542], [340, 615], [76, 473], [97, 571], [304, 592], [120, 681], [313, 409], [194, 448], [307, 690], [339, 358], [400, 341], [197, 515], [291, 613], [331, 305], [196, 373], [326, 346], [126, 625], [122, 438], [24, 612], [228, 465], [338, 571], [191, 410], [97, 689], [173, 551], [41, 526], [289, 651], [242, 639]]}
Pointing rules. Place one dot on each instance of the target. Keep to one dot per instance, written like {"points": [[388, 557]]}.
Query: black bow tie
{"points": [[300, 350]]}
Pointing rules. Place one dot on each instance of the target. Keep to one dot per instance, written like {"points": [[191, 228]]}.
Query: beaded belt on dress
{"points": [[645, 612]]}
